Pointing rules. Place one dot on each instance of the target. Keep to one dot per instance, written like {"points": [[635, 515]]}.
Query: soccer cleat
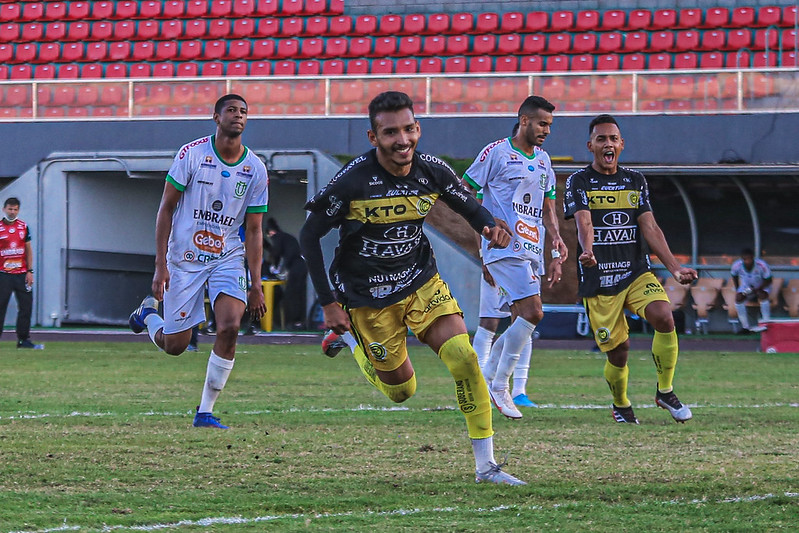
{"points": [[494, 474], [192, 348], [624, 415], [29, 345], [522, 400], [504, 403], [136, 321], [207, 420], [668, 400], [332, 344]]}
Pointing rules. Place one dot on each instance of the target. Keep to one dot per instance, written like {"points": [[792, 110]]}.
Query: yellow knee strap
{"points": [[470, 386], [399, 393]]}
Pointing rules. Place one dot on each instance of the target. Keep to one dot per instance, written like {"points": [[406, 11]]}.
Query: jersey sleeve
{"points": [[479, 171], [643, 201], [259, 201], [180, 172], [333, 200], [551, 186], [735, 269], [576, 197], [765, 268]]}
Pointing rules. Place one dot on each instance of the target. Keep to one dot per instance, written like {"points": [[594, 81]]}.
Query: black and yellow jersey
{"points": [[383, 254], [615, 202]]}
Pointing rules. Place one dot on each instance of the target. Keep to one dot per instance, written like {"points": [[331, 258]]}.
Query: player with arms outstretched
{"points": [[615, 224]]}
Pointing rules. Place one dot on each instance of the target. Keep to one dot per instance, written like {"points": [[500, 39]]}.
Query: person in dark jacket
{"points": [[284, 254]]}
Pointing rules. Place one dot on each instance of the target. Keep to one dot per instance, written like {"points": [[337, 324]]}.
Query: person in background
{"points": [[285, 255], [16, 274], [752, 279]]}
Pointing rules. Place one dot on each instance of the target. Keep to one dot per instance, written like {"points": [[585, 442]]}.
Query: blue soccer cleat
{"points": [[522, 400], [207, 420], [136, 321]]}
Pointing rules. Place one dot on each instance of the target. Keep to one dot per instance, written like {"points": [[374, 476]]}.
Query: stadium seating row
{"points": [[458, 23], [168, 9]]}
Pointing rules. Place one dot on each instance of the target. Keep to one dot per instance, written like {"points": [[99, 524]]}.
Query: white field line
{"points": [[33, 415], [233, 520]]}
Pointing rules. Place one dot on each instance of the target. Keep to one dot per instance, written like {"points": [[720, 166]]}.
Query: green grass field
{"points": [[98, 437]]}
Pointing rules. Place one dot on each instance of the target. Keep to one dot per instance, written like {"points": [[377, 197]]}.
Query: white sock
{"points": [[482, 344], [490, 368], [743, 317], [520, 374], [215, 378], [516, 336], [350, 340], [483, 453], [765, 310], [154, 322]]}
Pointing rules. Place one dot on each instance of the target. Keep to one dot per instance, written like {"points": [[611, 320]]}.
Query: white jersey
{"points": [[513, 187], [216, 197], [750, 278]]}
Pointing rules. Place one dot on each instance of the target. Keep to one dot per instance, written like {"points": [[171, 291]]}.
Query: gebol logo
{"points": [[208, 242], [526, 231]]}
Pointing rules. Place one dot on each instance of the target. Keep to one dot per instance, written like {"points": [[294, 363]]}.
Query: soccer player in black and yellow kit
{"points": [[615, 231], [384, 271]]}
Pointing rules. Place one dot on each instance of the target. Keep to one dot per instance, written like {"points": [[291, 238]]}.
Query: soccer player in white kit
{"points": [[214, 185], [752, 279], [517, 183]]}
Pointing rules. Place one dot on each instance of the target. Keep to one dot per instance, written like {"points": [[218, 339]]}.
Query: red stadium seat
{"points": [[44, 72], [614, 19], [456, 45], [163, 70], [124, 30], [558, 63], [315, 7], [10, 12], [431, 65], [78, 31], [114, 70], [55, 11], [101, 31], [148, 30], [713, 60], [739, 59], [339, 25], [686, 60], [559, 43], [581, 62], [690, 18], [635, 61], [790, 39], [284, 68], [739, 38], [534, 44], [406, 65], [587, 21], [385, 46], [32, 31], [584, 43], [21, 72], [610, 42], [659, 61], [212, 69], [49, 53], [218, 29], [713, 40], [91, 70], [316, 26], [214, 49], [171, 29], [72, 52], [96, 51], [484, 44], [636, 41], [682, 87], [461, 23], [664, 19], [410, 45], [536, 21], [742, 17], [25, 52], [562, 21], [789, 59], [434, 45], [242, 28], [311, 48], [506, 64], [287, 48], [655, 87], [768, 16], [266, 8], [389, 25], [267, 27], [126, 10], [196, 8], [261, 68], [240, 49], [382, 66], [149, 10], [480, 64], [6, 53], [437, 24], [717, 17], [687, 40], [309, 67], [333, 67], [140, 70], [221, 8], [335, 48], [78, 11], [358, 66], [190, 50], [766, 59], [456, 65], [608, 62], [365, 25], [292, 7], [639, 19], [101, 10], [174, 9], [487, 23], [413, 24], [512, 22], [767, 38], [166, 50], [360, 47], [54, 31], [509, 44], [661, 41], [10, 32], [291, 27]]}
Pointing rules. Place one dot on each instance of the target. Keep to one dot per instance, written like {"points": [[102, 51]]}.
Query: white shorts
{"points": [[184, 302], [516, 277], [491, 301]]}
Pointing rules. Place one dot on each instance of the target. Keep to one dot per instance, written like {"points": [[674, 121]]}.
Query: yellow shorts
{"points": [[382, 333], [606, 313]]}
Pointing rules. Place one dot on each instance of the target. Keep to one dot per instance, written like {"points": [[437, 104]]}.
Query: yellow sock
{"points": [[395, 393], [617, 381], [470, 386], [664, 352]]}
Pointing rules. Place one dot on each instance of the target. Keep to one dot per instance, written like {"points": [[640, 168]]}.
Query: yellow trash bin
{"points": [[268, 286]]}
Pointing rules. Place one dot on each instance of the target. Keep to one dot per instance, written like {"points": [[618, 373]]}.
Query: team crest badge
{"points": [[378, 351], [241, 188], [603, 335]]}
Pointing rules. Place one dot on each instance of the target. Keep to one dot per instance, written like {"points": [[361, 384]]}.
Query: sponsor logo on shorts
{"points": [[437, 299], [603, 335], [653, 288], [208, 242], [243, 283], [378, 351]]}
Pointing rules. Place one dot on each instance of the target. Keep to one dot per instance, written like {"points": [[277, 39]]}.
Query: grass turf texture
{"points": [[96, 435]]}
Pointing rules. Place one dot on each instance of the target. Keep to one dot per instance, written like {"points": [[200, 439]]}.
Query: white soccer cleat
{"points": [[668, 400], [504, 403], [494, 474]]}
